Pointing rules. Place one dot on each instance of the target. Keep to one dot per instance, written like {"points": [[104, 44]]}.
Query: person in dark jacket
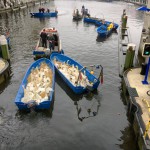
{"points": [[40, 9], [51, 41], [43, 36]]}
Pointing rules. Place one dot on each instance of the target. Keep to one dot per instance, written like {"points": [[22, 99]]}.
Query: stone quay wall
{"points": [[12, 5]]}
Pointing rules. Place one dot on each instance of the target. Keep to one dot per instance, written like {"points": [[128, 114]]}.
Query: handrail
{"points": [[144, 100]]}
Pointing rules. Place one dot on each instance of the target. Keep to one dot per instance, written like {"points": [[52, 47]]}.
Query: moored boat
{"points": [[99, 21], [45, 14], [37, 87], [4, 70], [76, 15], [41, 51], [91, 19], [105, 30], [77, 77]]}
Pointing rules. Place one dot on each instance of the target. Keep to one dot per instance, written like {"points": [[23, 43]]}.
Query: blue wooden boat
{"points": [[99, 22], [91, 19], [40, 51], [78, 89], [42, 105], [46, 14], [105, 29]]}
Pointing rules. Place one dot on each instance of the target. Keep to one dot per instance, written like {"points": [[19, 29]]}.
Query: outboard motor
{"points": [[31, 105]]}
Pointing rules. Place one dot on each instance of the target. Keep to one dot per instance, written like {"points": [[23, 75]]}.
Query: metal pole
{"points": [[146, 75]]}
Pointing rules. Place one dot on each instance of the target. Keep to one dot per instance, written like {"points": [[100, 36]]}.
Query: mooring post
{"points": [[129, 56], [4, 48], [124, 19]]}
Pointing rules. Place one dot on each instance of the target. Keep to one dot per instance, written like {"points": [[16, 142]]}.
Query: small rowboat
{"points": [[37, 87], [77, 77], [105, 30], [41, 52], [41, 15]]}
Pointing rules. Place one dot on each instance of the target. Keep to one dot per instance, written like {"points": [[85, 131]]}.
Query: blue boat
{"points": [[91, 20], [41, 15], [76, 88], [106, 29], [31, 103], [102, 31], [98, 21], [40, 51]]}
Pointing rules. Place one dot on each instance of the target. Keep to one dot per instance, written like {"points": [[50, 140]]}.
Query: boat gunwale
{"points": [[24, 80]]}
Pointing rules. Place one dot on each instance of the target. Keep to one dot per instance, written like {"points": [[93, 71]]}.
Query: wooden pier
{"points": [[138, 102]]}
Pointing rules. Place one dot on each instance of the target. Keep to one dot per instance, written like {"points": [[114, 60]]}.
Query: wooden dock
{"points": [[139, 105]]}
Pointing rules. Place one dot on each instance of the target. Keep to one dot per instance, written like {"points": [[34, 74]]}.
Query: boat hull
{"points": [[40, 15], [98, 21], [103, 33], [75, 89], [20, 94], [41, 52], [75, 17]]}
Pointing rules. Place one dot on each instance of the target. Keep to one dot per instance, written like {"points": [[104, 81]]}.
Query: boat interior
{"points": [[57, 42]]}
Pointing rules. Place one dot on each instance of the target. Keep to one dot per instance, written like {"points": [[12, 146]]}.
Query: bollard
{"points": [[4, 48], [124, 19], [129, 56]]}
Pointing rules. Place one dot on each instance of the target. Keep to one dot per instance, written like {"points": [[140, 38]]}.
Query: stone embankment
{"points": [[12, 5]]}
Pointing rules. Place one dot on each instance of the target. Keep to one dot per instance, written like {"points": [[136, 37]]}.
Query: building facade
{"points": [[139, 2]]}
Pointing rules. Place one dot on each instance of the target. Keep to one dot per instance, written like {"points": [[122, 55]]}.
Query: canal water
{"points": [[92, 121]]}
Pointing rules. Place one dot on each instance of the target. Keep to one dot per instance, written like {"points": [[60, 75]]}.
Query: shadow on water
{"points": [[128, 137], [86, 104], [77, 22]]}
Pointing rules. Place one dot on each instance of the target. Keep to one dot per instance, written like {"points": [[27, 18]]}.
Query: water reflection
{"points": [[76, 22], [87, 108], [127, 137], [100, 39], [86, 104]]}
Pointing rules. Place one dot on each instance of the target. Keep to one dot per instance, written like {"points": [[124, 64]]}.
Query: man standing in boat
{"points": [[51, 41], [43, 36]]}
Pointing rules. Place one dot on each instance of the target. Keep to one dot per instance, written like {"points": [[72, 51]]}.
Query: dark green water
{"points": [[68, 125]]}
